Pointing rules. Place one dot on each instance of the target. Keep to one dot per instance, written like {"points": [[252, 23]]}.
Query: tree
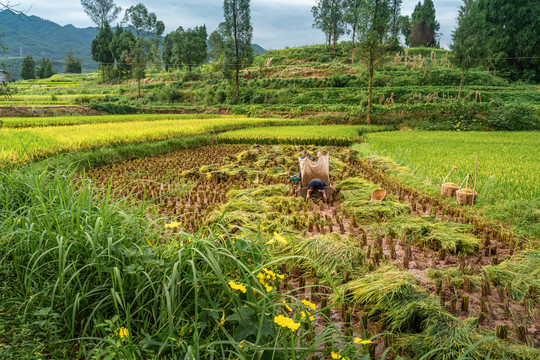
{"points": [[167, 53], [238, 34], [101, 12], [425, 23], [101, 51], [73, 65], [422, 35], [469, 39], [406, 28], [190, 48], [328, 17], [122, 43], [28, 68], [375, 22], [45, 69], [513, 35], [395, 24], [216, 42], [145, 24], [352, 16]]}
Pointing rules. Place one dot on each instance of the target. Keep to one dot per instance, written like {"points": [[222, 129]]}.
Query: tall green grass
{"points": [[84, 269]]}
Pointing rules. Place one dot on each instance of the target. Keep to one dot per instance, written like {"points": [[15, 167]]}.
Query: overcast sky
{"points": [[276, 23]]}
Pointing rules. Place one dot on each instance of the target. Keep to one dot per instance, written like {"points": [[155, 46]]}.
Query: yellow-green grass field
{"points": [[508, 162], [23, 122], [21, 145], [329, 134]]}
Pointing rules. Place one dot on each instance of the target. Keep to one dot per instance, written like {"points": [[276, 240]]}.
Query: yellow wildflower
{"points": [[286, 306], [360, 341], [236, 286], [309, 304], [306, 314], [286, 322], [122, 332], [173, 225], [337, 356], [223, 318], [240, 345], [268, 287]]}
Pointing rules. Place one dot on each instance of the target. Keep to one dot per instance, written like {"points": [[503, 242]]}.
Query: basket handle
{"points": [[454, 168], [466, 179]]}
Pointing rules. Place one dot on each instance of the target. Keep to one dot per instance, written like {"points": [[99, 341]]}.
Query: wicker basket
{"points": [[378, 195], [466, 196], [449, 189]]}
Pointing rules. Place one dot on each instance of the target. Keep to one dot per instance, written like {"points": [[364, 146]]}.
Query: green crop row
{"points": [[324, 135]]}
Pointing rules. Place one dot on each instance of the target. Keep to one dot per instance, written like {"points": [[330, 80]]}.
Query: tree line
{"points": [[336, 18], [126, 52], [45, 69]]}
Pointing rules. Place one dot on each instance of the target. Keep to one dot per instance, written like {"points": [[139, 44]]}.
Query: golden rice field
{"points": [[33, 143]]}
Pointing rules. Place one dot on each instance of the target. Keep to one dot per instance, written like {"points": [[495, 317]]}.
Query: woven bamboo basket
{"points": [[466, 196], [449, 189], [378, 195]]}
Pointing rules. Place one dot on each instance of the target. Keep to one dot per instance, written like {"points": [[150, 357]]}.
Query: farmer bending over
{"points": [[318, 185]]}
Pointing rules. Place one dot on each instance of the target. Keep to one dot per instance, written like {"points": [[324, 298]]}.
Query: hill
{"points": [[33, 36]]}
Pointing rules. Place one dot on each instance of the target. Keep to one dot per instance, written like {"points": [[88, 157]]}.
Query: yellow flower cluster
{"points": [[173, 225], [306, 314], [360, 341], [236, 286], [286, 322], [309, 304], [122, 332], [337, 356], [268, 275]]}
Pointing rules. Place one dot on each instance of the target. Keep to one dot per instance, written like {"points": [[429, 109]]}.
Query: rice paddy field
{"points": [[26, 144], [180, 236]]}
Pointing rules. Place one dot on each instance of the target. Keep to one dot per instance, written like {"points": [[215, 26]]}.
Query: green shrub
{"points": [[515, 117]]}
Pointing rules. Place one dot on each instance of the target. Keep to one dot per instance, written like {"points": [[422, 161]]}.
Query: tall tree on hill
{"points": [[167, 51], [73, 65], [216, 42], [122, 43], [469, 39], [145, 24], [238, 33], [45, 69], [352, 16], [406, 28], [190, 48], [395, 24], [424, 25], [101, 52], [328, 16], [376, 16], [514, 35], [101, 11], [28, 68]]}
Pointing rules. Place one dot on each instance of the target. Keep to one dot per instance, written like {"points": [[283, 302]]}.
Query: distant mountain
{"points": [[33, 36]]}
